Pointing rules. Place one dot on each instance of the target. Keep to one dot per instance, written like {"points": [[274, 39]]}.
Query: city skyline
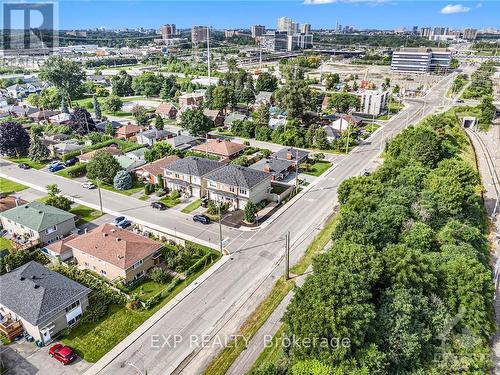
{"points": [[362, 14]]}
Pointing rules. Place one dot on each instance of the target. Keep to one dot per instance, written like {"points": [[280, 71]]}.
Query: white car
{"points": [[88, 185]]}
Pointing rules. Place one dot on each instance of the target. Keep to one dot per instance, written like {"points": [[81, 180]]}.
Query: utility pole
{"points": [[296, 171], [287, 256], [99, 191], [220, 228], [347, 142], [260, 55], [208, 55]]}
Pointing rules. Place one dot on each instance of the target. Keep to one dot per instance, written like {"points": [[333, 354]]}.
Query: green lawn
{"points": [[191, 206], [135, 188], [5, 243], [85, 214], [148, 288], [371, 127], [144, 197], [8, 186], [318, 168], [170, 202], [28, 161], [93, 340], [271, 354]]}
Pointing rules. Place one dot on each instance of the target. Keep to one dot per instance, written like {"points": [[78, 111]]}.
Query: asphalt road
{"points": [[221, 302]]}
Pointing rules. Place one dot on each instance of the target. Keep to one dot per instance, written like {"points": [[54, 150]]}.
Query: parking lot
{"points": [[24, 358]]}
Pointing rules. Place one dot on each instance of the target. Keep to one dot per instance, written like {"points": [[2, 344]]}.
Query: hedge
{"points": [[77, 170], [158, 297]]}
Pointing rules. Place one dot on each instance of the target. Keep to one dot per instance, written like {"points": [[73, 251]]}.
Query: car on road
{"points": [[56, 167], [159, 206], [459, 101], [62, 353], [70, 162], [204, 219], [88, 185], [365, 173], [23, 166], [124, 224], [118, 220]]}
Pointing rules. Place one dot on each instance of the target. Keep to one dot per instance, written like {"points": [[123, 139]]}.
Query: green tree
{"points": [[247, 96], [66, 75], [320, 139], [222, 96], [121, 84], [97, 108], [14, 139], [109, 130], [55, 198], [122, 180], [159, 150], [250, 211], [141, 115], [64, 105], [343, 101], [113, 104], [82, 122], [261, 116], [332, 80], [295, 97], [195, 122], [159, 122], [266, 82], [103, 166], [37, 151]]}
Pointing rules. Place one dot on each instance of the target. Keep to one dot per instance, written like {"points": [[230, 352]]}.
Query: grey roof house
{"points": [[292, 154], [149, 137], [278, 168], [182, 142], [232, 117], [186, 175], [237, 185], [37, 222], [41, 301]]}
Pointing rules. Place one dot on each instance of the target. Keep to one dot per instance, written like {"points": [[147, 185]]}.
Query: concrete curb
{"points": [[144, 327]]}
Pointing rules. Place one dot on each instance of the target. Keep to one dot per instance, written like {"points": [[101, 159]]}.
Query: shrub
{"points": [[159, 275], [250, 210], [77, 170], [175, 194], [122, 180]]}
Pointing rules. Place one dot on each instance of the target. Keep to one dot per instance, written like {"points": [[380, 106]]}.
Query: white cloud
{"points": [[453, 9]]}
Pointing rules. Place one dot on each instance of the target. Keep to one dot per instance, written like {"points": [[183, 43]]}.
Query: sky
{"points": [[222, 14]]}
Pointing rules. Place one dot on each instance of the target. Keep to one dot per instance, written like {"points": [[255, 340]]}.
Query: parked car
{"points": [[70, 162], [201, 219], [23, 166], [88, 185], [204, 202], [62, 353], [159, 206], [124, 224], [118, 220], [56, 167], [365, 173]]}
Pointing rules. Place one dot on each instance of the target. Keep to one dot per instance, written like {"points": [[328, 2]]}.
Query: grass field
{"points": [[318, 168], [191, 206], [85, 214], [135, 188], [28, 161], [170, 202], [8, 186], [93, 340], [5, 244]]}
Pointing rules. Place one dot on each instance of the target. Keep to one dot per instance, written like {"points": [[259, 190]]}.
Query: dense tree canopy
{"points": [[66, 75], [14, 139], [196, 122]]}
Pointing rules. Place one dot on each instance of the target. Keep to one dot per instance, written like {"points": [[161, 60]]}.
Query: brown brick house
{"points": [[166, 110], [115, 253]]}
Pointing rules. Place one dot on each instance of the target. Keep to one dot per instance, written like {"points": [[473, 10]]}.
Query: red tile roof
{"points": [[219, 147], [60, 247], [156, 167]]}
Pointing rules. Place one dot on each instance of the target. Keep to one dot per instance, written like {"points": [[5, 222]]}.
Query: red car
{"points": [[62, 353]]}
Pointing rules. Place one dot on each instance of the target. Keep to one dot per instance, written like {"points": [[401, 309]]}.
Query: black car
{"points": [[201, 219], [70, 162], [23, 166], [159, 206], [124, 224]]}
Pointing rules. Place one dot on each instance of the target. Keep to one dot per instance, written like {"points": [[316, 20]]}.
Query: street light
{"points": [[135, 367], [98, 180], [220, 227]]}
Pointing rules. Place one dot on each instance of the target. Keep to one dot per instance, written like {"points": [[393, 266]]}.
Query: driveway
{"points": [[24, 358]]}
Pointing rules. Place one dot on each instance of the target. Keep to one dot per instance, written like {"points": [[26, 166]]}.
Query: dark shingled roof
{"points": [[237, 175], [37, 293], [275, 165], [283, 154], [194, 166]]}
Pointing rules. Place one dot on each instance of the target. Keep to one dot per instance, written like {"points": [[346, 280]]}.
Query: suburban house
{"points": [[149, 137], [237, 185], [63, 148], [22, 110], [99, 79], [39, 301], [43, 115], [115, 253], [274, 122], [215, 116], [10, 201], [263, 98], [37, 222], [127, 163], [223, 148], [60, 119], [128, 131], [344, 121], [331, 133], [137, 154], [233, 116], [113, 150], [278, 168], [22, 90], [166, 110], [185, 175], [151, 170], [59, 250], [292, 154], [191, 99], [101, 126], [182, 142]]}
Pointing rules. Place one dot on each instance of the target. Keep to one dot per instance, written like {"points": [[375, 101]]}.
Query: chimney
{"points": [[18, 201], [85, 230], [289, 155], [267, 168]]}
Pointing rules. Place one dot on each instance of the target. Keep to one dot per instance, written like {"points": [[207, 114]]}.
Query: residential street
{"points": [[222, 301]]}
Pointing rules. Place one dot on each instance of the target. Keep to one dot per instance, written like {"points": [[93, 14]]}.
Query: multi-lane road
{"points": [[220, 303]]}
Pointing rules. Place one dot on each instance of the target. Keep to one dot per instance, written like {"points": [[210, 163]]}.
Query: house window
{"points": [[139, 275], [103, 272], [51, 229], [243, 191], [212, 184], [72, 306], [137, 264], [74, 320], [231, 189], [176, 175]]}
